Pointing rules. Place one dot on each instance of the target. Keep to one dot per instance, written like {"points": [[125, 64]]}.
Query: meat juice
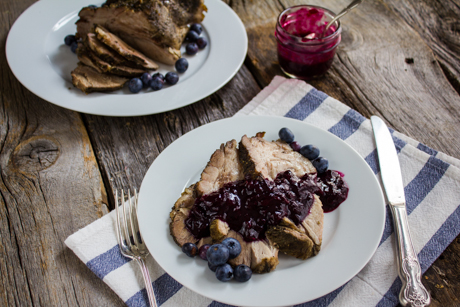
{"points": [[303, 52]]}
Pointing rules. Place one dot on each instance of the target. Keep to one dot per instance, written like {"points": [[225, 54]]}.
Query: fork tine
{"points": [[141, 240], [133, 218], [120, 235], [126, 221]]}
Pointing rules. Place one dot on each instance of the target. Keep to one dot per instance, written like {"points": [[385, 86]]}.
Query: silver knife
{"points": [[413, 293]]}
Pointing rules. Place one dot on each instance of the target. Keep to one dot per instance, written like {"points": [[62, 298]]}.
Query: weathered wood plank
{"points": [[50, 186]]}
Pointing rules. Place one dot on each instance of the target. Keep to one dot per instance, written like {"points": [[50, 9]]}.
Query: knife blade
{"points": [[412, 293]]}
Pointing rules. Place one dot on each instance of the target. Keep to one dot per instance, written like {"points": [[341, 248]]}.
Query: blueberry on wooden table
{"points": [[286, 135], [224, 272], [190, 249], [242, 273], [135, 85], [310, 152], [321, 164], [191, 48], [197, 28], [181, 65]]}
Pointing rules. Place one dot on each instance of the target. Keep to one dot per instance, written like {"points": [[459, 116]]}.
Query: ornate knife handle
{"points": [[413, 293]]}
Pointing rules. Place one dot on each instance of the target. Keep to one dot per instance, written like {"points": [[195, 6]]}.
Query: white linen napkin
{"points": [[432, 188]]}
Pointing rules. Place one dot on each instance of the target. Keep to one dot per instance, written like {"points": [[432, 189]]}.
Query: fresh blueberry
{"points": [[172, 78], [190, 249], [181, 65], [217, 254], [146, 78], [197, 28], [92, 6], [295, 146], [242, 273], [158, 75], [201, 42], [135, 85], [192, 36], [156, 83], [191, 48], [310, 152], [224, 272], [286, 135], [212, 267], [321, 164], [202, 251], [234, 247], [73, 47], [69, 39]]}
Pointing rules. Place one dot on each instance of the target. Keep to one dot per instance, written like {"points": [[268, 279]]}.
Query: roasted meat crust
{"points": [[88, 80]]}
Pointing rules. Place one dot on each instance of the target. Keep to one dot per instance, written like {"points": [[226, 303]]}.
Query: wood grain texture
{"points": [[50, 186]]}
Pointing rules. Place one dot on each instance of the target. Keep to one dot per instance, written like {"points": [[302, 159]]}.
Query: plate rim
{"points": [[379, 196], [60, 92]]}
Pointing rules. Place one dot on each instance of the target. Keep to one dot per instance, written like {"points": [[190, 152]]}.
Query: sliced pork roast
{"points": [[88, 80], [156, 28], [258, 159]]}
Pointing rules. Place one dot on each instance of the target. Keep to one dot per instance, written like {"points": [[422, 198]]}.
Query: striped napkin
{"points": [[432, 188]]}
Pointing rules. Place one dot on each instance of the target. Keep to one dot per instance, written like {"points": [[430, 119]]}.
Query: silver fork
{"points": [[130, 240]]}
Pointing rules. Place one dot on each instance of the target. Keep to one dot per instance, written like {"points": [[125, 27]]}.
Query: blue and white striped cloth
{"points": [[432, 188]]}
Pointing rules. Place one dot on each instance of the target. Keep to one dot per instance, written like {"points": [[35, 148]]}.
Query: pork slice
{"points": [[203, 241], [186, 200], [290, 241], [123, 49], [264, 256], [86, 60], [119, 70], [219, 230], [105, 53], [263, 159], [222, 168], [156, 28], [89, 80], [314, 223], [179, 214]]}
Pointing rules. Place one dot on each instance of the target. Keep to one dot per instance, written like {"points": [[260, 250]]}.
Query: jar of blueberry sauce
{"points": [[303, 52]]}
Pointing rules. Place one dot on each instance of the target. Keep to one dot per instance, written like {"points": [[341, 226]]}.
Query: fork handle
{"points": [[147, 281]]}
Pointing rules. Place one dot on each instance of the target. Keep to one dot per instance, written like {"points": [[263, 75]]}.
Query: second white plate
{"points": [[41, 61], [351, 233]]}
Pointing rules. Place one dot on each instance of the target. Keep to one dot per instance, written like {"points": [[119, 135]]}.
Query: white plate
{"points": [[351, 233], [41, 61]]}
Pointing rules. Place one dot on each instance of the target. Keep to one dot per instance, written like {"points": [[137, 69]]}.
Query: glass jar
{"points": [[302, 51]]}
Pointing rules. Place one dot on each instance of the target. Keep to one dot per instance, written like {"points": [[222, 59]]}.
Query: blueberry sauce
{"points": [[334, 190], [250, 207], [303, 51]]}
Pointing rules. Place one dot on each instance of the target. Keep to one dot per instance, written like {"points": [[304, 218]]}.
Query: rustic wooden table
{"points": [[399, 59]]}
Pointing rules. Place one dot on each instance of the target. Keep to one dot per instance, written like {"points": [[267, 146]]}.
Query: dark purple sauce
{"points": [[303, 51], [334, 189], [250, 207]]}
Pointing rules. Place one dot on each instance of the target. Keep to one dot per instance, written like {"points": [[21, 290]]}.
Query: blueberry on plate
{"points": [[171, 78], [73, 47], [135, 85], [69, 39], [202, 42], [202, 251], [217, 254], [234, 247], [92, 6], [190, 249], [224, 272], [146, 78], [321, 164], [242, 273], [197, 28], [212, 267], [295, 146], [156, 83], [310, 152], [158, 75], [181, 65], [286, 135], [191, 48], [192, 36]]}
